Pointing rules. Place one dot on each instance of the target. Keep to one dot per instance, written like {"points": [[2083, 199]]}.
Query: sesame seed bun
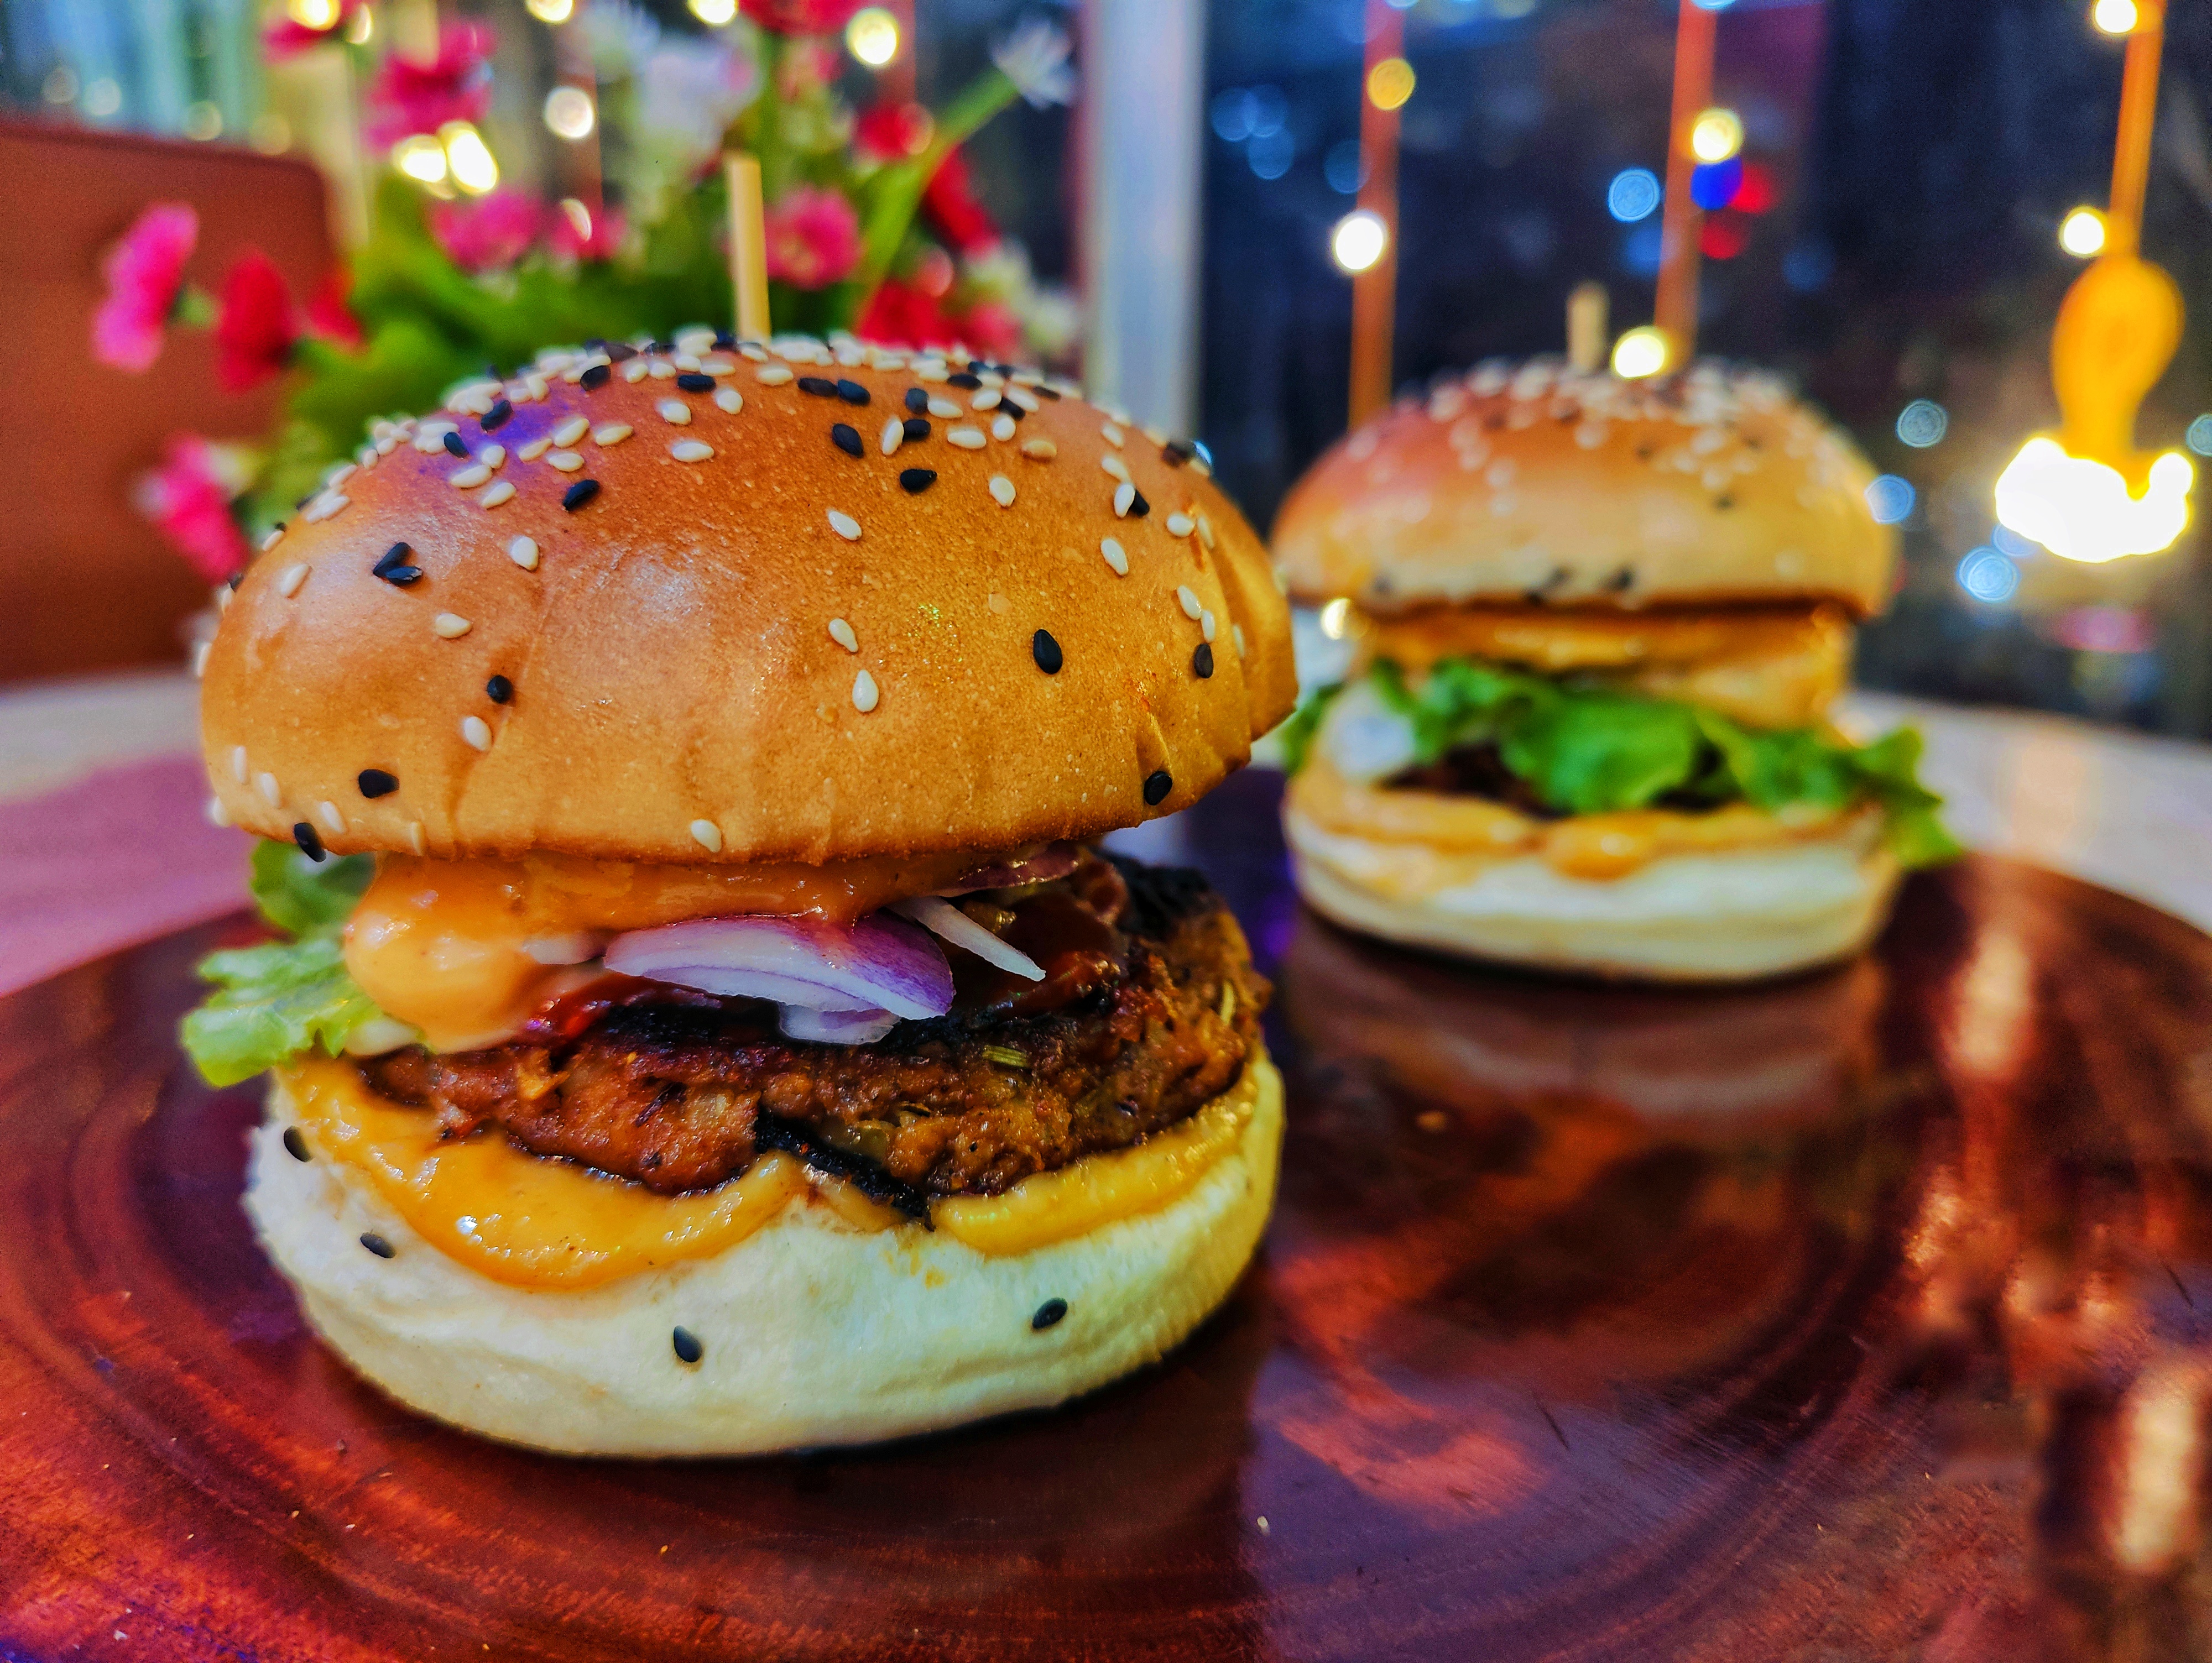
{"points": [[730, 638], [812, 1331], [1536, 483]]}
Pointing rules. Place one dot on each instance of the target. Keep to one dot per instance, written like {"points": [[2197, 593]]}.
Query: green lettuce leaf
{"points": [[1300, 727], [272, 1002]]}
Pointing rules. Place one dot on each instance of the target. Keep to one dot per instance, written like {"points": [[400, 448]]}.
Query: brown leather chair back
{"points": [[85, 583]]}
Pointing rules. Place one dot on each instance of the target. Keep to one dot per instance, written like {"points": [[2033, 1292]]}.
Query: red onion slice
{"points": [[962, 931], [880, 964], [1054, 860], [834, 1026]]}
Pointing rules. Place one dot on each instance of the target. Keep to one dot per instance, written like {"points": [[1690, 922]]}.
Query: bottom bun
{"points": [[1731, 915], [813, 1331]]}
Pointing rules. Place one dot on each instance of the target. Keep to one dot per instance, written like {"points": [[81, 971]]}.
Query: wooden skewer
{"points": [[2138, 110], [1586, 309], [1375, 291], [748, 245], [1676, 311]]}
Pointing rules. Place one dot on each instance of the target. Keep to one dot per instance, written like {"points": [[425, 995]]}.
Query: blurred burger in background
{"points": [[1598, 626]]}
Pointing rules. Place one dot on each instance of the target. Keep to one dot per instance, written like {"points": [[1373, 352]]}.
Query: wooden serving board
{"points": [[1850, 1317]]}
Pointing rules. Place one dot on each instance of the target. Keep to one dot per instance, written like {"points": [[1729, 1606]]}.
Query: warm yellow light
{"points": [[361, 27], [569, 112], [1390, 84], [714, 13], [313, 13], [2083, 510], [1716, 134], [1641, 351], [550, 11], [873, 36], [469, 158], [2114, 16], [1359, 239], [1334, 617], [2081, 232], [421, 158]]}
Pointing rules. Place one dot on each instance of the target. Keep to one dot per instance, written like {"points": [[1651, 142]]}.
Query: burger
{"points": [[701, 1023], [1597, 626]]}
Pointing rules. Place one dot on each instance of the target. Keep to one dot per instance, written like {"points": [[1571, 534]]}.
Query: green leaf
{"points": [[305, 897], [271, 1003], [1594, 752], [1299, 728]]}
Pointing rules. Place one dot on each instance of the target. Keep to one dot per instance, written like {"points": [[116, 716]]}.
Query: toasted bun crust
{"points": [[1730, 915], [814, 1331], [670, 655], [1535, 481]]}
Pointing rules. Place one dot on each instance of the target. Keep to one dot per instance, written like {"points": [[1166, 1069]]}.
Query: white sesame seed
{"points": [[991, 379], [772, 376], [536, 448], [238, 764], [753, 350], [1114, 556], [324, 506], [894, 434], [502, 492], [1180, 525], [416, 841], [690, 450], [331, 816], [968, 438], [1205, 530], [729, 400], [686, 362], [1590, 434], [200, 658], [943, 409], [1002, 426], [660, 369], [841, 633], [635, 371], [289, 585], [523, 551], [708, 835], [864, 693], [272, 539], [566, 435], [1124, 495], [676, 412], [217, 814], [469, 478], [1022, 400], [1002, 490], [931, 370], [1205, 625], [695, 338], [718, 366], [270, 794], [1114, 435], [567, 461], [1187, 598], [845, 526], [613, 434], [1236, 634], [1114, 466], [1039, 450], [476, 732], [430, 437], [987, 399], [878, 358], [451, 625]]}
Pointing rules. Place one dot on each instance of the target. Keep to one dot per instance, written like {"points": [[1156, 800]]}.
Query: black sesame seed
{"points": [[1046, 652], [619, 352], [1139, 506], [295, 1145], [917, 401], [1048, 1313], [400, 576], [579, 494], [310, 844], [1045, 392], [1724, 502], [375, 782], [376, 1244], [820, 387], [916, 481], [497, 414], [1177, 452], [594, 377], [1158, 784], [688, 1348], [456, 446], [1203, 660], [725, 342], [692, 381], [964, 379], [846, 438], [1621, 580], [661, 346], [499, 689], [852, 393], [397, 566], [915, 427], [595, 343]]}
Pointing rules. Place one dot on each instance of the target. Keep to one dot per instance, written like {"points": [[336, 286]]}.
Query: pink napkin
{"points": [[122, 856]]}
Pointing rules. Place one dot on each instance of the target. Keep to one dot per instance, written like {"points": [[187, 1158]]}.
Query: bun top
{"points": [[1537, 483], [744, 605]]}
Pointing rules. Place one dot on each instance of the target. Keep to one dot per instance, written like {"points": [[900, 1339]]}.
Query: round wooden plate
{"points": [[1850, 1317]]}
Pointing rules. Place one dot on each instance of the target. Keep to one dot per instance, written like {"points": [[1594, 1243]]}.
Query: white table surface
{"points": [[2128, 811]]}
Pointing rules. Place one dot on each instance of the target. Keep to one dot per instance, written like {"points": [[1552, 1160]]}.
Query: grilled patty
{"points": [[1149, 1009]]}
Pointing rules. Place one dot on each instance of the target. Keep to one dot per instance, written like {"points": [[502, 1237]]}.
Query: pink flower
{"points": [[188, 499], [287, 35], [489, 233], [408, 97], [578, 234], [892, 132], [949, 202], [257, 326], [799, 17], [991, 330], [813, 238], [145, 275], [328, 313]]}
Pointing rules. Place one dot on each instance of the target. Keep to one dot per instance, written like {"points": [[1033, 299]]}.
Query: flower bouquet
{"points": [[871, 226]]}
